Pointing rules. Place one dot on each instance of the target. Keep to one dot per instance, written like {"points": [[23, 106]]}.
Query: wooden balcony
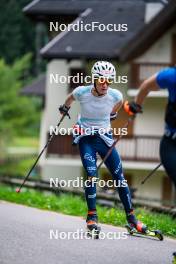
{"points": [[141, 71], [136, 148]]}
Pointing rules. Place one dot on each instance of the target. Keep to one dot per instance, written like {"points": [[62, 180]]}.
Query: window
{"points": [[173, 49], [77, 79]]}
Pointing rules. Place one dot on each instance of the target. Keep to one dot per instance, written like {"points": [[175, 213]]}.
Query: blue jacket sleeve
{"points": [[166, 78]]}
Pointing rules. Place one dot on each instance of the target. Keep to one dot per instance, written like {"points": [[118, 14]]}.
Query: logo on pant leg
{"points": [[92, 168], [118, 168], [91, 196], [87, 156]]}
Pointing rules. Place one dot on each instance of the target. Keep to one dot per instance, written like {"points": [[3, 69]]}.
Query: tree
{"points": [[17, 31], [19, 115]]}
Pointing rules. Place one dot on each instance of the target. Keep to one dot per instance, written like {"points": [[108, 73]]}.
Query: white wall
{"points": [[60, 171], [160, 52], [43, 136], [57, 93], [152, 189], [151, 122]]}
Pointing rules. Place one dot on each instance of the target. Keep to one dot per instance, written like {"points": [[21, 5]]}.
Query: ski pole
{"points": [[33, 166], [130, 119], [151, 173]]}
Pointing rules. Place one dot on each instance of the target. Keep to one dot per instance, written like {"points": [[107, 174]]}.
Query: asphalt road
{"points": [[33, 236]]}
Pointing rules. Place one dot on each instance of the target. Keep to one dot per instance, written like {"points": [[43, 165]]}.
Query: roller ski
{"points": [[93, 230], [134, 226]]}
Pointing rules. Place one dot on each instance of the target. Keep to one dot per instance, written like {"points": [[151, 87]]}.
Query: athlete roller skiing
{"points": [[165, 79], [99, 105]]}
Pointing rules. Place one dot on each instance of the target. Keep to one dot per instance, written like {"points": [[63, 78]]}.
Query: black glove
{"points": [[63, 109], [113, 116], [132, 108]]}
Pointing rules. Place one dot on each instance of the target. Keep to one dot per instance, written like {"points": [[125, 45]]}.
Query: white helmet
{"points": [[103, 69]]}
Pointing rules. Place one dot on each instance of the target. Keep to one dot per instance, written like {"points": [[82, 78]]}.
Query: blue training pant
{"points": [[89, 146]]}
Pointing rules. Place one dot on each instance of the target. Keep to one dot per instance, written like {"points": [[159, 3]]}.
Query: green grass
{"points": [[18, 168], [75, 205], [25, 142]]}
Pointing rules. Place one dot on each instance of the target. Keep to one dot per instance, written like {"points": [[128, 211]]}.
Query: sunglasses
{"points": [[103, 80]]}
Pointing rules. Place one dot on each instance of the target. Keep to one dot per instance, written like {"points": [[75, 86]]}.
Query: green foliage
{"points": [[32, 142], [75, 205], [19, 115], [17, 31], [18, 168]]}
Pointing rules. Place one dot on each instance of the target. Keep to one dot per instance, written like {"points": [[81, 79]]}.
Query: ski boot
{"points": [[93, 230], [134, 226]]}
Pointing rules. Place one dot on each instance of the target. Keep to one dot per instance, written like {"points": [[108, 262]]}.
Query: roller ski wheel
{"points": [[93, 230], [174, 258], [158, 234], [151, 233]]}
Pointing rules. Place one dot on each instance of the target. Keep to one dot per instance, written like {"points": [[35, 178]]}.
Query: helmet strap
{"points": [[99, 94]]}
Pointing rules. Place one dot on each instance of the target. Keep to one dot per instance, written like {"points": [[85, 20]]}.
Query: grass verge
{"points": [[74, 205], [18, 168], [25, 142]]}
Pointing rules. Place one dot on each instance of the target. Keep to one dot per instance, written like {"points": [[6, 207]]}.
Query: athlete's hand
{"points": [[132, 108], [63, 109]]}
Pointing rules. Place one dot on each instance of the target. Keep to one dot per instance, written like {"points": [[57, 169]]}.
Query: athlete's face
{"points": [[102, 85]]}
